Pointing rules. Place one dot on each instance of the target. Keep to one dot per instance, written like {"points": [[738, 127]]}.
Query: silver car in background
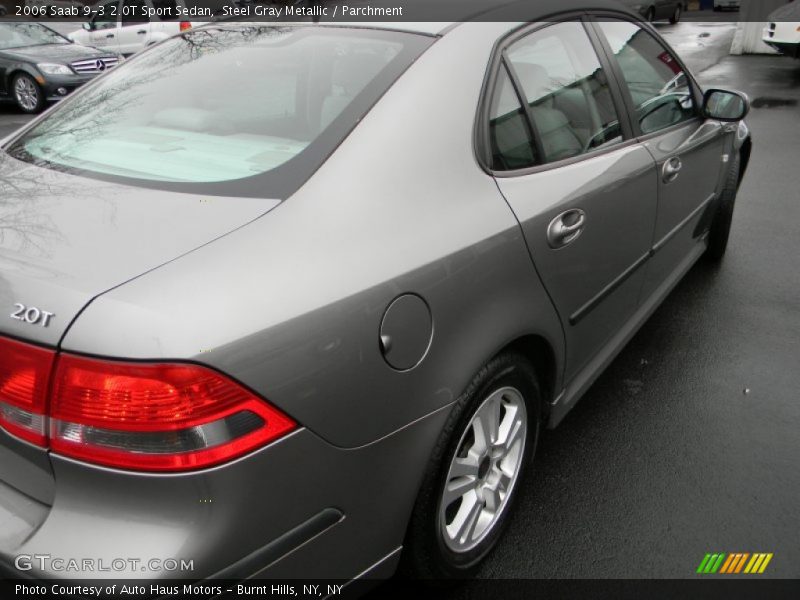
{"points": [[298, 300]]}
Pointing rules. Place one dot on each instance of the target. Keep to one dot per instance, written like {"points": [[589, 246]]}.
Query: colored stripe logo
{"points": [[735, 563]]}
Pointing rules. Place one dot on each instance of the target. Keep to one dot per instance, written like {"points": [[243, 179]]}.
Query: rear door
{"points": [[582, 188], [687, 148]]}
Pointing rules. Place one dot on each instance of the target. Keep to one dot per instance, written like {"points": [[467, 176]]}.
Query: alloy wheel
{"points": [[484, 470], [26, 93]]}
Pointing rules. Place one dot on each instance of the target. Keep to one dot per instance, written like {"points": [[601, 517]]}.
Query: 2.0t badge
{"points": [[32, 315]]}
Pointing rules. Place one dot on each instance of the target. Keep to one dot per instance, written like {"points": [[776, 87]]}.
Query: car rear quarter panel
{"points": [[291, 305]]}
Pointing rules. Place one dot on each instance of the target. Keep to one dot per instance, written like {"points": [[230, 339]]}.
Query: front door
{"points": [[583, 190], [686, 147]]}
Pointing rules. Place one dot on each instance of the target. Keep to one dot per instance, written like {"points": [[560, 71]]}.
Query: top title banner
{"points": [[132, 12]]}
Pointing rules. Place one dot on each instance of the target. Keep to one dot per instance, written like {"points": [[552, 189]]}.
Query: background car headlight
{"points": [[54, 69]]}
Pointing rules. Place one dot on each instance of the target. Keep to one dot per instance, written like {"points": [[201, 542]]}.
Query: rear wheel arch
{"points": [[540, 354], [426, 553]]}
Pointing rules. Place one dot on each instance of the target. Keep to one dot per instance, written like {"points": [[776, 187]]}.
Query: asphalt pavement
{"points": [[690, 442]]}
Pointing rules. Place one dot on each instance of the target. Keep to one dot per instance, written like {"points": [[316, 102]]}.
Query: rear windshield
{"points": [[228, 110]]}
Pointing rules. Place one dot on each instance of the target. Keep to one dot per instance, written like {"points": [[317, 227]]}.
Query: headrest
{"points": [[354, 71], [535, 80]]}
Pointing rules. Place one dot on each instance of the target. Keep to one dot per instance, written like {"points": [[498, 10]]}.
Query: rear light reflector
{"points": [[161, 417], [24, 375], [142, 416], [185, 25]]}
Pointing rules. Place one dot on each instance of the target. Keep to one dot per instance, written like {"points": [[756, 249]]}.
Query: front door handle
{"points": [[141, 32], [566, 228], [672, 169], [110, 35]]}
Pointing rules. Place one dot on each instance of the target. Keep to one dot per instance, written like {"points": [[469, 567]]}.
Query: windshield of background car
{"points": [[248, 110], [21, 35]]}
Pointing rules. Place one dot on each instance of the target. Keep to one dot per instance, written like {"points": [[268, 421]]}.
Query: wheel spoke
{"points": [[466, 526], [492, 498], [503, 480], [488, 422], [513, 435], [464, 467], [457, 488]]}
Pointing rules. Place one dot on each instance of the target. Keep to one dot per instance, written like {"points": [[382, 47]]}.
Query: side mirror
{"points": [[725, 105], [88, 26]]}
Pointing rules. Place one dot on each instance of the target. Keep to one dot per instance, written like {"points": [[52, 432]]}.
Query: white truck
{"points": [[127, 26], [783, 33]]}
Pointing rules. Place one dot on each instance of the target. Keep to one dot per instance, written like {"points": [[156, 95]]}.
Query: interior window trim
{"points": [[694, 86], [499, 60]]}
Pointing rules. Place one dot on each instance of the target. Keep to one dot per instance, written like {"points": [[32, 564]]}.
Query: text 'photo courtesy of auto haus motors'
{"points": [[246, 337]]}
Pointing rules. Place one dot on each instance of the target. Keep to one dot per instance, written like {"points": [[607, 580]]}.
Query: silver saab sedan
{"points": [[297, 300]]}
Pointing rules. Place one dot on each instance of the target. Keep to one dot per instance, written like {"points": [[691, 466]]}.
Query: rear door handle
{"points": [[672, 169], [566, 228], [141, 32]]}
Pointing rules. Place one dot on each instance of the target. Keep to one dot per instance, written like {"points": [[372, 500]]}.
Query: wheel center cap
{"points": [[483, 469]]}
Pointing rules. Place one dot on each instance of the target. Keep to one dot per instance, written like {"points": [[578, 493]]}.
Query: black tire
{"points": [[31, 104], [676, 15], [426, 553], [720, 230]]}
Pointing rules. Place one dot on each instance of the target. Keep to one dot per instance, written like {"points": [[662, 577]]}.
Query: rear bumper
{"points": [[297, 509]]}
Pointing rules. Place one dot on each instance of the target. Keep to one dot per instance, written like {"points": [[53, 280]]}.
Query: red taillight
{"points": [[185, 25], [24, 374], [157, 417]]}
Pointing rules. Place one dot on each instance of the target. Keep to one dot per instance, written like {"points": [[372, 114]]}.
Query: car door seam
{"points": [[595, 301]]}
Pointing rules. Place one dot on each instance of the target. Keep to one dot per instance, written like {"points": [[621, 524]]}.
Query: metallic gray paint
{"points": [[291, 304], [617, 191], [67, 239]]}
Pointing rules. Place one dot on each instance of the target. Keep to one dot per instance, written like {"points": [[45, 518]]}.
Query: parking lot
{"points": [[689, 442]]}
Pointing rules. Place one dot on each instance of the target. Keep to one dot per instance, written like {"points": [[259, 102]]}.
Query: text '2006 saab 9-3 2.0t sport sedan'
{"points": [[297, 300]]}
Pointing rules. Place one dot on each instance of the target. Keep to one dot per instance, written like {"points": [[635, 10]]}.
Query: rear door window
{"points": [[509, 131], [566, 91]]}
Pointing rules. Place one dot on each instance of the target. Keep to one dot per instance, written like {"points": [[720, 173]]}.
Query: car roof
{"points": [[445, 15]]}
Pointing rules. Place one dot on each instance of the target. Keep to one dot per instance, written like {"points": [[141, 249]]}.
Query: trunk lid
{"points": [[65, 239]]}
